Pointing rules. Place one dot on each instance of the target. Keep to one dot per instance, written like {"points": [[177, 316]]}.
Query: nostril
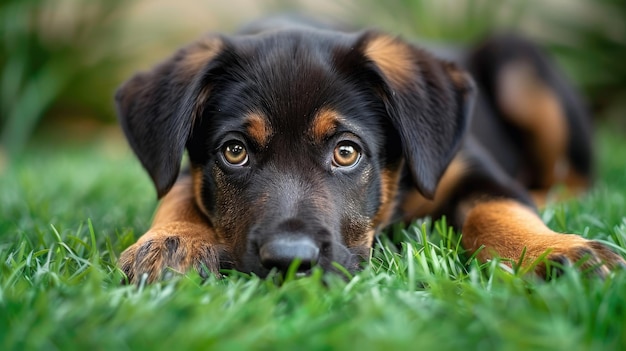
{"points": [[280, 253]]}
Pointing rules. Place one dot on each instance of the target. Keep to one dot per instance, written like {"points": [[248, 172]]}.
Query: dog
{"points": [[304, 142]]}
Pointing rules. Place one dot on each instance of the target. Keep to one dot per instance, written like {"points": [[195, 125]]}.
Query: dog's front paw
{"points": [[162, 252], [589, 256]]}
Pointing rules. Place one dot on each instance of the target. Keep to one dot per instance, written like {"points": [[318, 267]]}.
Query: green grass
{"points": [[67, 211]]}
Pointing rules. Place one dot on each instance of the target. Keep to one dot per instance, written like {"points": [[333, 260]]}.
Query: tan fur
{"points": [[535, 108], [196, 56], [197, 181], [390, 179], [179, 239], [415, 205], [394, 59], [505, 228], [178, 205], [258, 128], [200, 53], [324, 124], [459, 77]]}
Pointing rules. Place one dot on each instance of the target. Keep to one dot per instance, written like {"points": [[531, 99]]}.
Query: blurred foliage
{"points": [[61, 59], [54, 54], [593, 51], [444, 20]]}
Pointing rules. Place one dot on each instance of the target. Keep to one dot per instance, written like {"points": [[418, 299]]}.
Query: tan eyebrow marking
{"points": [[258, 128], [325, 123]]}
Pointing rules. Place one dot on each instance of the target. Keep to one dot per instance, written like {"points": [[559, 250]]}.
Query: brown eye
{"points": [[235, 153], [346, 154]]}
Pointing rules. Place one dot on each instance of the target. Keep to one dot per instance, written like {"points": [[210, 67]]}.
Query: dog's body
{"points": [[305, 142]]}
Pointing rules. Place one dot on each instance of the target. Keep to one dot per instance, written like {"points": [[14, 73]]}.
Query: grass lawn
{"points": [[67, 211]]}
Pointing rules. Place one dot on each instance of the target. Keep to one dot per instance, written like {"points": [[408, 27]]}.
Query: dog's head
{"points": [[297, 138]]}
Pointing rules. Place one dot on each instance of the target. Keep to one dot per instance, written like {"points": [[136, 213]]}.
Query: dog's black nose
{"points": [[279, 253]]}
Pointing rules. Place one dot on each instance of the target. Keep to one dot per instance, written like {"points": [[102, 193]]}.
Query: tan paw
{"points": [[588, 256], [160, 252]]}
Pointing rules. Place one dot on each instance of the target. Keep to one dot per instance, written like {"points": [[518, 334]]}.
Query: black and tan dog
{"points": [[305, 142]]}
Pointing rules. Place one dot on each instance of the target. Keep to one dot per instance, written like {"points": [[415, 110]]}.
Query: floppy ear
{"points": [[429, 102], [157, 109]]}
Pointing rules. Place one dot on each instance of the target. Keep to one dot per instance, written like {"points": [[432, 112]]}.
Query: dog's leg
{"points": [[507, 228], [180, 239], [498, 219], [543, 139]]}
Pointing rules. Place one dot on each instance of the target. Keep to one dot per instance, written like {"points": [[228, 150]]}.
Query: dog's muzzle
{"points": [[277, 248]]}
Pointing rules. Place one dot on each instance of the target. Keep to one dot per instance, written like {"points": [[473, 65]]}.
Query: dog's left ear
{"points": [[428, 100]]}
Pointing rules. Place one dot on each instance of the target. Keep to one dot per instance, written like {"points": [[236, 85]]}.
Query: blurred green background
{"points": [[61, 60]]}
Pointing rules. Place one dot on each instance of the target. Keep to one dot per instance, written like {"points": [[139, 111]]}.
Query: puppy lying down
{"points": [[305, 142]]}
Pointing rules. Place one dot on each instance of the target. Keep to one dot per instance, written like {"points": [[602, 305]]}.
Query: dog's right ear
{"points": [[429, 102], [157, 108]]}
